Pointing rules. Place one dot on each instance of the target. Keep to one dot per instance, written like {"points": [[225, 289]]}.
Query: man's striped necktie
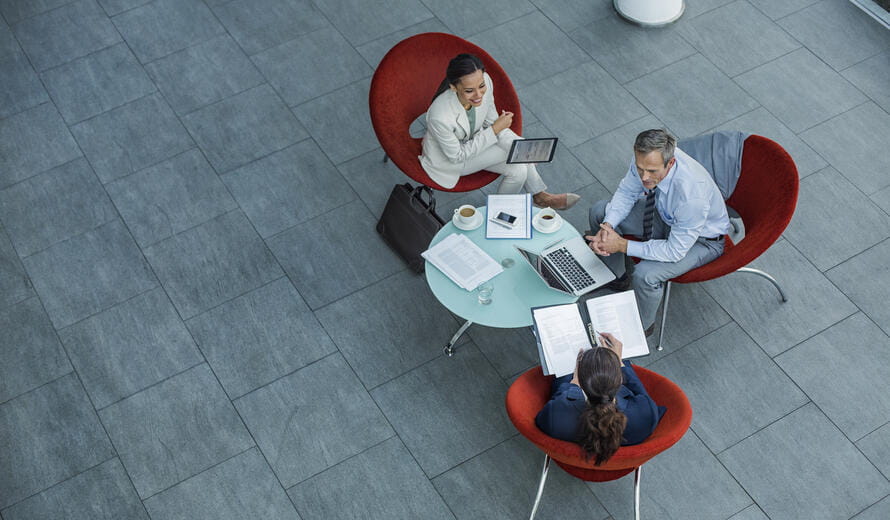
{"points": [[649, 214]]}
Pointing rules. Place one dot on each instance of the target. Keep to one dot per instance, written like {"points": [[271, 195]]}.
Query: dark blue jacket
{"points": [[559, 418]]}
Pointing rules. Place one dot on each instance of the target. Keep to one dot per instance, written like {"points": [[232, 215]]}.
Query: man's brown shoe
{"points": [[651, 330]]}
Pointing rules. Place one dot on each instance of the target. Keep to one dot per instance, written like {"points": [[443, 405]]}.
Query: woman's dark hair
{"points": [[601, 425], [458, 67]]}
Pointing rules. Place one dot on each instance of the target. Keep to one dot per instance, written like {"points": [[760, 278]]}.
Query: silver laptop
{"points": [[569, 266]]}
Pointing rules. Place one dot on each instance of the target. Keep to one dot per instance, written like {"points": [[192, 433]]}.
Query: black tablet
{"points": [[537, 150]]}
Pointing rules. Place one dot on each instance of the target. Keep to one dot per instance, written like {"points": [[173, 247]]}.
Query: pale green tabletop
{"points": [[516, 290]]}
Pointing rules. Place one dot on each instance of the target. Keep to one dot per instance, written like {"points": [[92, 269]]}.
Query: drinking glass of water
{"points": [[483, 292]]}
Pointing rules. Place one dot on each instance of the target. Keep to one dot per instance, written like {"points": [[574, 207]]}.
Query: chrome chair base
{"points": [[637, 473], [449, 348], [667, 298]]}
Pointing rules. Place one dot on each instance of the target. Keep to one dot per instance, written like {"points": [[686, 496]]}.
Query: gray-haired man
{"points": [[682, 230]]}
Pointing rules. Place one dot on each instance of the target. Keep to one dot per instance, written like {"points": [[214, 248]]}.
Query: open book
{"points": [[563, 330]]}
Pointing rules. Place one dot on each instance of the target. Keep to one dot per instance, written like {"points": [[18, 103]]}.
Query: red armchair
{"points": [[402, 89], [765, 197], [531, 391]]}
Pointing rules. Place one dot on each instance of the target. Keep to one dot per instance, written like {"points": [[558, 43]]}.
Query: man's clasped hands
{"points": [[607, 241]]}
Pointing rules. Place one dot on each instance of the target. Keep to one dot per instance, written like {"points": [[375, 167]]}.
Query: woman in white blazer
{"points": [[466, 134]]}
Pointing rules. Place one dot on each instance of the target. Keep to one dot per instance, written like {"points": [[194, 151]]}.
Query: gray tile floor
{"points": [[199, 321]]}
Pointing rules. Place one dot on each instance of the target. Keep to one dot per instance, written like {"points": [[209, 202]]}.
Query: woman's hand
{"points": [[616, 347], [502, 122]]}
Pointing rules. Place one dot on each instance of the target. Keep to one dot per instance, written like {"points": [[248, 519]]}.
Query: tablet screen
{"points": [[532, 150]]}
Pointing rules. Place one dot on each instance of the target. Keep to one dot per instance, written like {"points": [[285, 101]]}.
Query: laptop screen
{"points": [[538, 263]]}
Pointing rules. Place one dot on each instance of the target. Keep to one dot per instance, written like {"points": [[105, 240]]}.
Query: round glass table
{"points": [[516, 290]]}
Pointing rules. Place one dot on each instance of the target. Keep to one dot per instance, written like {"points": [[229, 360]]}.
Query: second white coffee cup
{"points": [[548, 218]]}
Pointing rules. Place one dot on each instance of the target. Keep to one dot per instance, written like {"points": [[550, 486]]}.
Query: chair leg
{"points": [[664, 315], [766, 275], [637, 492], [540, 486], [449, 348]]}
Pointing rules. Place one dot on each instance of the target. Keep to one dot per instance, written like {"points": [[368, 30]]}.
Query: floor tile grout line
{"points": [[393, 33], [867, 201], [868, 507], [221, 304], [619, 127], [752, 434], [285, 376], [846, 437], [674, 351], [156, 384], [364, 79], [815, 268], [116, 180], [95, 413], [459, 464], [126, 10], [234, 409], [340, 463], [38, 387], [732, 476], [259, 449], [278, 234], [90, 53], [190, 45], [873, 431], [7, 507], [803, 8], [860, 62], [268, 250], [35, 15], [201, 472]]}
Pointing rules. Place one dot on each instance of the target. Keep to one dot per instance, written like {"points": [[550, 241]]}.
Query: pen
{"points": [[598, 335], [499, 223]]}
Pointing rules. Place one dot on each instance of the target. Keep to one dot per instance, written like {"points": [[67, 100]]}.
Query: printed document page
{"points": [[465, 263], [518, 205], [618, 315], [561, 334]]}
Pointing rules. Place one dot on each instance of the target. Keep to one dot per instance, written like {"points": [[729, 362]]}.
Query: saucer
{"points": [[477, 221], [536, 224]]}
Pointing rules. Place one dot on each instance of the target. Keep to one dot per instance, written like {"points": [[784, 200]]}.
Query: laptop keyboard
{"points": [[570, 268]]}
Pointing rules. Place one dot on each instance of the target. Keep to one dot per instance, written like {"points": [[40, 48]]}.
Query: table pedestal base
{"points": [[449, 348]]}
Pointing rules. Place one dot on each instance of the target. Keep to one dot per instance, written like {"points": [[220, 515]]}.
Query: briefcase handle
{"points": [[429, 205]]}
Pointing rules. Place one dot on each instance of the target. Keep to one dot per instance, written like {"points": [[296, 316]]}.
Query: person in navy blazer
{"points": [[602, 405], [466, 134]]}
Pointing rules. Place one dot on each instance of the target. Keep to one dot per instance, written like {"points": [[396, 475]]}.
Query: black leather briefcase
{"points": [[409, 223]]}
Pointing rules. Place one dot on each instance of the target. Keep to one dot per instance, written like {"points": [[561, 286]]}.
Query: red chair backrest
{"points": [[765, 197], [531, 391], [402, 89]]}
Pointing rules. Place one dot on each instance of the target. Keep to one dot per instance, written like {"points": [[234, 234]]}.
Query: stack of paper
{"points": [[519, 206], [465, 263]]}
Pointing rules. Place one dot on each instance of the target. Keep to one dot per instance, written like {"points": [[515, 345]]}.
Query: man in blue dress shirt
{"points": [[685, 226]]}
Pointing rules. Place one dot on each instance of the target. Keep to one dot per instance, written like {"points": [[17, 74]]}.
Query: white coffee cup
{"points": [[548, 219], [466, 214]]}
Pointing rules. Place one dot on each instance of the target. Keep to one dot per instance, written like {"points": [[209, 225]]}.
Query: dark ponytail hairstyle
{"points": [[601, 425], [458, 67]]}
